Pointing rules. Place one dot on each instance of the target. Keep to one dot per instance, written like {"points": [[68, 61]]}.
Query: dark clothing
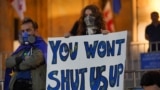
{"points": [[74, 29], [22, 84], [153, 33]]}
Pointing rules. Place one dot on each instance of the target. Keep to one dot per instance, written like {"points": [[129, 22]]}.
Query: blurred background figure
{"points": [[150, 80], [152, 32]]}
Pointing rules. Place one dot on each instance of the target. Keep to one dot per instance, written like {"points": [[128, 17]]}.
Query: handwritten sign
{"points": [[89, 62]]}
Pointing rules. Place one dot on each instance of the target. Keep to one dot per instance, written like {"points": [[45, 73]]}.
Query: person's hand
{"points": [[67, 35], [105, 32]]}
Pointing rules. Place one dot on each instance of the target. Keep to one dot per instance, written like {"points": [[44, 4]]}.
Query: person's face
{"points": [[151, 87], [154, 17], [28, 27]]}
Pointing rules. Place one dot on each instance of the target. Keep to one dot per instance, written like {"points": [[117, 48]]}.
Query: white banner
{"points": [[89, 62]]}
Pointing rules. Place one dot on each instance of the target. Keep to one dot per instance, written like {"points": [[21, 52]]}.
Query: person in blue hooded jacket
{"points": [[26, 67]]}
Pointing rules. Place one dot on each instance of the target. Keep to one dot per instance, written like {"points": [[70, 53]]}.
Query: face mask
{"points": [[26, 39], [90, 23]]}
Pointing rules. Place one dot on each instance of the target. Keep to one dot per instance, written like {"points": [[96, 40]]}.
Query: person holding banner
{"points": [[26, 67], [152, 33], [151, 80], [90, 22]]}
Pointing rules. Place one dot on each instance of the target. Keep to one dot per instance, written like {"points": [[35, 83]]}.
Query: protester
{"points": [[152, 33], [151, 80], [90, 22], [28, 62]]}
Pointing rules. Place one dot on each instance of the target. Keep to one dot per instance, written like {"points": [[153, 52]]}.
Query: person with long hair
{"points": [[90, 22]]}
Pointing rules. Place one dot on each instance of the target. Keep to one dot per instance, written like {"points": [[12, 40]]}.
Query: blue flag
{"points": [[7, 78], [116, 6]]}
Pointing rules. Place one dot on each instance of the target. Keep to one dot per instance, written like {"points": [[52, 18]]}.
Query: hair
{"points": [[154, 15], [29, 20], [154, 12], [96, 13], [150, 78]]}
